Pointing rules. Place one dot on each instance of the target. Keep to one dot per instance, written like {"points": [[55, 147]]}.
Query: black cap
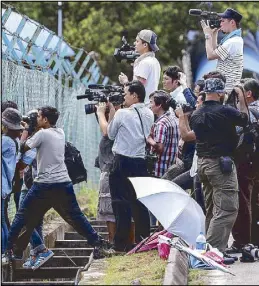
{"points": [[231, 14]]}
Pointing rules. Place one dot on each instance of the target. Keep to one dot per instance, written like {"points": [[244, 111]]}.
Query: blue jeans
{"points": [[40, 198], [4, 227], [36, 240]]}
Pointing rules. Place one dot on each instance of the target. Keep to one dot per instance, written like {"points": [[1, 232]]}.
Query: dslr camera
{"points": [[125, 52], [185, 107], [102, 93], [212, 17], [31, 120]]}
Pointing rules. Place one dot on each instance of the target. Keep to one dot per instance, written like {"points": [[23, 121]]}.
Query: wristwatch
{"points": [[207, 36]]}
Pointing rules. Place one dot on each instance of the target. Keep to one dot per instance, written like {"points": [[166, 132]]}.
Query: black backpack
{"points": [[248, 146], [75, 166]]}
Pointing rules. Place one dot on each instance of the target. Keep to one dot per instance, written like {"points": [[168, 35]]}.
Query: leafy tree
{"points": [[97, 26]]}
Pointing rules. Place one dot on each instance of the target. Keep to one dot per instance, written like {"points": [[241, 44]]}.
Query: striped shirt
{"points": [[230, 63], [166, 131]]}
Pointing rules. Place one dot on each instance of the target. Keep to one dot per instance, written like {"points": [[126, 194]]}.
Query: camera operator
{"points": [[146, 67], [245, 229], [129, 129], [214, 126], [229, 52]]}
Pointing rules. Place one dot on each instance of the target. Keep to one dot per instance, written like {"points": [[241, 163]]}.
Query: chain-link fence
{"points": [[32, 88]]}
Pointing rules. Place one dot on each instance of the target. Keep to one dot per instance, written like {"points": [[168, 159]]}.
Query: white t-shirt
{"points": [[149, 69], [178, 95], [50, 145], [230, 63]]}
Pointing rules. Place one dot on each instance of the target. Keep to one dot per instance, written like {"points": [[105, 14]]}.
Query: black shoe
{"points": [[227, 256], [233, 249], [102, 249]]}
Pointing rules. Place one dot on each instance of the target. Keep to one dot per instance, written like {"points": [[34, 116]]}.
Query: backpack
{"points": [[75, 166]]}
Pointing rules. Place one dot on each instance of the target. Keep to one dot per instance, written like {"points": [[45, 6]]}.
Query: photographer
{"points": [[105, 161], [128, 128], [245, 229], [229, 52], [146, 67], [51, 188], [214, 126], [164, 136]]}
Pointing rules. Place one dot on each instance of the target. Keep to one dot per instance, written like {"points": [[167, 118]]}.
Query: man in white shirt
{"points": [[229, 52], [146, 67], [171, 83], [129, 128]]}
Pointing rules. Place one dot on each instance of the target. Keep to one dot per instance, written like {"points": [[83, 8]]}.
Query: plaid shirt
{"points": [[166, 131]]}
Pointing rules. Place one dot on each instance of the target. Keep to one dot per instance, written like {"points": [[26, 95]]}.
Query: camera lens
{"points": [[90, 108]]}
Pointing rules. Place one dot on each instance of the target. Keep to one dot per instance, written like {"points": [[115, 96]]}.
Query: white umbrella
{"points": [[172, 206]]}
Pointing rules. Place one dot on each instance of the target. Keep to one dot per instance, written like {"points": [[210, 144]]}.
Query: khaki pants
{"points": [[221, 201]]}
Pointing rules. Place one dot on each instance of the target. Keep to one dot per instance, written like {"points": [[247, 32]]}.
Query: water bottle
{"points": [[201, 243]]}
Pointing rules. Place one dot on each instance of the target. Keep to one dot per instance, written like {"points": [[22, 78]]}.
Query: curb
{"points": [[176, 272]]}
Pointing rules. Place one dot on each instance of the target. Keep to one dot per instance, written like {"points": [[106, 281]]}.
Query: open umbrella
{"points": [[172, 206]]}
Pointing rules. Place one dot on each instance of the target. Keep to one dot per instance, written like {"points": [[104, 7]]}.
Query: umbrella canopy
{"points": [[172, 206]]}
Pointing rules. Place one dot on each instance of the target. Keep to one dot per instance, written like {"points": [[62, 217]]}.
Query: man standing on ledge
{"points": [[229, 52], [146, 67]]}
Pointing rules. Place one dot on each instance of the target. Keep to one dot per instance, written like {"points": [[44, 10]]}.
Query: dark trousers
{"points": [[40, 198], [124, 202], [185, 181], [242, 228]]}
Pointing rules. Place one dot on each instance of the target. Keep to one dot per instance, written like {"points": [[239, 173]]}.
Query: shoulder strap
{"points": [[141, 124]]}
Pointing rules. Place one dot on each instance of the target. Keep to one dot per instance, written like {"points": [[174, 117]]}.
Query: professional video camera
{"points": [[212, 17], [125, 52], [102, 93], [249, 253], [31, 120]]}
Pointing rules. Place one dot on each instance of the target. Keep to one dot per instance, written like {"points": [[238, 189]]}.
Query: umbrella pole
{"points": [[146, 239]]}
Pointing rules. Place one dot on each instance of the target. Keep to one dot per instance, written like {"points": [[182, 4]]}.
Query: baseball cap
{"points": [[230, 13], [12, 118], [214, 85], [149, 37]]}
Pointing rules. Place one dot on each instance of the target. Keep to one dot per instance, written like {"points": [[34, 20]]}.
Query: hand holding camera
{"points": [[123, 79], [207, 30]]}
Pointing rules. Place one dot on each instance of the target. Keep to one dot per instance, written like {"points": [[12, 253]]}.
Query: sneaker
{"points": [[102, 248], [41, 258], [29, 263], [234, 249], [5, 259]]}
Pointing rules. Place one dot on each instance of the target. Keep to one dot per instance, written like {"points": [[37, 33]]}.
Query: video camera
{"points": [[212, 17], [125, 52], [250, 253], [102, 93], [31, 120]]}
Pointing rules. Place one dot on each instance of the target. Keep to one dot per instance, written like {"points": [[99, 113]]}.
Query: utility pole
{"points": [[59, 52]]}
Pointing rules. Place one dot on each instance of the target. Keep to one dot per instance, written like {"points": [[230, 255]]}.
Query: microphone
{"points": [[81, 96], [195, 12], [96, 86]]}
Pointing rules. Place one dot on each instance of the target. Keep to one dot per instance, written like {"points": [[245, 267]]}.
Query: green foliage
{"points": [[97, 26], [88, 199]]}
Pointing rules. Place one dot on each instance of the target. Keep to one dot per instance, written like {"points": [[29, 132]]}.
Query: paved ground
{"points": [[245, 274]]}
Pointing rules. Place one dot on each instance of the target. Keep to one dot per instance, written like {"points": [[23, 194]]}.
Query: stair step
{"points": [[64, 261], [71, 244], [100, 228], [72, 251], [46, 273], [43, 283], [77, 236]]}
